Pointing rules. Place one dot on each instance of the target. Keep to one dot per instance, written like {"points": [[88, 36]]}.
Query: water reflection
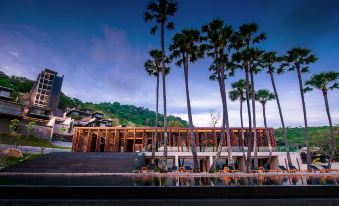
{"points": [[164, 181], [190, 181]]}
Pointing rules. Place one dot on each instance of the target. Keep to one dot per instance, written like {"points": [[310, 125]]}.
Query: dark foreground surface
{"points": [[77, 162], [249, 195]]}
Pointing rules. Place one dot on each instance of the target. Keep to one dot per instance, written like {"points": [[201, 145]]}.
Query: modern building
{"points": [[45, 94], [8, 108], [139, 139]]}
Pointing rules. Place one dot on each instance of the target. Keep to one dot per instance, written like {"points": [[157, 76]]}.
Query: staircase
{"points": [[78, 162]]}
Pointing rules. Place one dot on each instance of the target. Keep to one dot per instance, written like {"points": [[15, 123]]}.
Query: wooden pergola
{"points": [[132, 139]]}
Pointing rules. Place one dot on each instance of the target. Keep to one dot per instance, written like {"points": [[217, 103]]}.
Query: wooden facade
{"points": [[132, 139]]}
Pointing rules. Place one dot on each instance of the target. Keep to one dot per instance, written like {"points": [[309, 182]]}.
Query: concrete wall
{"points": [[4, 124], [39, 131]]}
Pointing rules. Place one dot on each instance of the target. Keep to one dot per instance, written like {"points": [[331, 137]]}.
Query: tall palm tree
{"points": [[269, 59], [255, 55], [186, 48], [160, 10], [244, 41], [325, 81], [238, 94], [299, 59], [218, 40], [263, 96], [153, 68]]}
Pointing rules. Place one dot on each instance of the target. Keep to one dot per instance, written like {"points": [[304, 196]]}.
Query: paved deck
{"points": [[72, 162]]}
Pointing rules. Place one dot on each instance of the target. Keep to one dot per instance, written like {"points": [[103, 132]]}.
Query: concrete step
{"points": [[72, 162]]}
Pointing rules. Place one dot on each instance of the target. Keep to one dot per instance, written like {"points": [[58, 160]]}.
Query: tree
{"points": [[238, 93], [29, 127], [185, 47], [244, 42], [62, 132], [218, 41], [263, 96], [325, 81], [13, 126], [153, 67], [298, 59], [215, 117], [268, 61], [159, 11]]}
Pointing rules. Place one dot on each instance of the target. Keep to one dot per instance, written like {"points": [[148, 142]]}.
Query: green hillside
{"points": [[122, 114], [319, 137]]}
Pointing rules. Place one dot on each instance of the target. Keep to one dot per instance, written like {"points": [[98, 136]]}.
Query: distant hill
{"points": [[319, 137], [125, 114]]}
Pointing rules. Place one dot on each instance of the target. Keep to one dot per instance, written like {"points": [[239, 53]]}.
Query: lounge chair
{"points": [[181, 169], [328, 169], [173, 169], [314, 168], [218, 168], [226, 170], [136, 170], [188, 169], [151, 168], [232, 169], [266, 169], [259, 170], [282, 169], [292, 168], [144, 170]]}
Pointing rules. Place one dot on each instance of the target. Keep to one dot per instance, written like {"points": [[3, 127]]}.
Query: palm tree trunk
{"points": [[190, 120], [333, 146], [242, 130], [267, 137], [222, 135], [249, 139], [164, 166], [309, 158], [287, 148], [154, 142], [255, 144]]}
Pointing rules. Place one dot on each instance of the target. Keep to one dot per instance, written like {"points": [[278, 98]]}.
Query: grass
{"points": [[9, 161], [21, 140]]}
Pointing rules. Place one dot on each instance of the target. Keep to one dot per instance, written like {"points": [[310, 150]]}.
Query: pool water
{"points": [[164, 181]]}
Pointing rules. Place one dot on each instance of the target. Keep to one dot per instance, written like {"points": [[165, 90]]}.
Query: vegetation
{"points": [[218, 36], [186, 48], [160, 11], [22, 140], [325, 82], [298, 59], [269, 60], [263, 96], [238, 94], [153, 68], [296, 137], [18, 84], [9, 161], [121, 114]]}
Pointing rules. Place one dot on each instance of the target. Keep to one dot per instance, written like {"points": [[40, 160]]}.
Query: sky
{"points": [[100, 47]]}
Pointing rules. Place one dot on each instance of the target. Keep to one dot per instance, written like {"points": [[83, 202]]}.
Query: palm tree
{"points": [[238, 93], [218, 40], [185, 47], [298, 59], [153, 67], [325, 81], [268, 60], [160, 10], [263, 96], [243, 42]]}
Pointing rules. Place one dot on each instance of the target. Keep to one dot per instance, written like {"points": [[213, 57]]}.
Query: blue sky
{"points": [[100, 47]]}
